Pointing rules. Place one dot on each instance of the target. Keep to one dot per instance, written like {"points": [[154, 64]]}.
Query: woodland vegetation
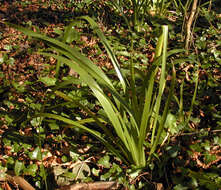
{"points": [[110, 94]]}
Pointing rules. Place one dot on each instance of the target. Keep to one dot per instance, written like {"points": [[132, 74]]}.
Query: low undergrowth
{"points": [[113, 100]]}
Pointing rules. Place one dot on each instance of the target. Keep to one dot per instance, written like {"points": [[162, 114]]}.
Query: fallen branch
{"points": [[17, 180], [91, 186]]}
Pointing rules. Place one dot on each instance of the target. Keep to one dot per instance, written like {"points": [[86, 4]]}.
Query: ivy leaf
{"points": [[36, 154], [19, 166], [79, 170], [3, 172], [173, 151], [217, 140], [31, 170], [95, 172], [48, 81], [36, 121], [69, 175], [74, 156], [71, 34], [171, 124], [53, 126], [180, 187], [209, 158], [58, 170], [105, 161]]}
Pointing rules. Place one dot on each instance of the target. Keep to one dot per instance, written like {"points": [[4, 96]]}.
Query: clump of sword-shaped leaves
{"points": [[130, 115]]}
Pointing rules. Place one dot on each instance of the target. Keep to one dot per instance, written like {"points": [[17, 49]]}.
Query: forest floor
{"points": [[190, 160]]}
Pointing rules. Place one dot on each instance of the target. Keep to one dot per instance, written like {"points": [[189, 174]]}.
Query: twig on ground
{"points": [[189, 24]]}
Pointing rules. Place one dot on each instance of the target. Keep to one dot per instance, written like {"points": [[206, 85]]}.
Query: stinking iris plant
{"points": [[130, 116]]}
